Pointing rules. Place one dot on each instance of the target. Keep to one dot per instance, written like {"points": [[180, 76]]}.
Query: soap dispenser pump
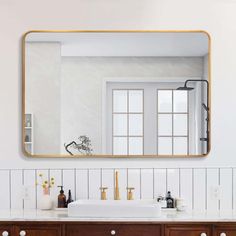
{"points": [[61, 198]]}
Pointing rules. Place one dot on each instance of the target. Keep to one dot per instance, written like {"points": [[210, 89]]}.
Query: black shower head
{"points": [[185, 88]]}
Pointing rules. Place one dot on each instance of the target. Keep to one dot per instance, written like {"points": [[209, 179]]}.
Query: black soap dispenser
{"points": [[169, 200], [69, 200], [61, 198]]}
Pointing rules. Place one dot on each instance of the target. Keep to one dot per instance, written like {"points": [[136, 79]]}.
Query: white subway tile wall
{"points": [[199, 189], [5, 179], [202, 188], [213, 176]]}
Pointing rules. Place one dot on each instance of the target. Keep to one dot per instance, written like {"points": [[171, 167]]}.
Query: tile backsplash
{"points": [[202, 188]]}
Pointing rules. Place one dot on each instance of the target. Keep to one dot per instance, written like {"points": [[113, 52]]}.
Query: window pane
{"points": [[136, 146], [119, 146], [164, 124], [135, 100], [120, 100], [180, 124], [180, 146], [119, 124], [164, 101], [135, 124], [180, 101], [164, 146]]}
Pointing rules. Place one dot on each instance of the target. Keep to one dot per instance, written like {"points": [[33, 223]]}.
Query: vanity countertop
{"points": [[61, 216]]}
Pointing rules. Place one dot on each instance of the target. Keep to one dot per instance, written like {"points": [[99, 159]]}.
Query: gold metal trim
{"points": [[105, 155]]}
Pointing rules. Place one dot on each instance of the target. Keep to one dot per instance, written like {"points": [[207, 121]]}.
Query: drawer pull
{"points": [[22, 233], [223, 234], [113, 232], [203, 234], [5, 233]]}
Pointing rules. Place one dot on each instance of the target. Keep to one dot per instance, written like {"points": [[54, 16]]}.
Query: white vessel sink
{"points": [[114, 208]]}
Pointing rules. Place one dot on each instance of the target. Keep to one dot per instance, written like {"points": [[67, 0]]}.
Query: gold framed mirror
{"points": [[123, 94]]}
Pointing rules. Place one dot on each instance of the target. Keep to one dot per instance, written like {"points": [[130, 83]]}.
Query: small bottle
{"points": [[27, 138], [169, 200], [27, 123], [61, 198], [69, 200]]}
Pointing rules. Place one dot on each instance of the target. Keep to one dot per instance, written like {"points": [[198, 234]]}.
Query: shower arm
{"points": [[200, 80]]}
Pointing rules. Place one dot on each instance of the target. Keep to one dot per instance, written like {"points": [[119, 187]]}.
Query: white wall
{"points": [[149, 183], [216, 17], [42, 74]]}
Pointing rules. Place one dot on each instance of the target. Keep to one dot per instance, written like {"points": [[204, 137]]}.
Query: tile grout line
{"points": [[140, 182], [36, 189], [88, 183], [113, 190], [101, 179], [206, 187], [127, 184], [233, 189], [10, 192], [179, 183], [166, 180], [153, 183], [219, 181], [62, 177], [23, 185], [192, 188], [75, 184], [49, 178], [35, 206]]}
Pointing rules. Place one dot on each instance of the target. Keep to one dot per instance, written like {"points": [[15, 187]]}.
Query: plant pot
{"points": [[45, 202]]}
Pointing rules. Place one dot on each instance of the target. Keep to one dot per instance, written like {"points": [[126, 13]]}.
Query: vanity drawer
{"points": [[140, 230], [5, 230], [113, 229], [38, 229], [225, 233], [188, 230], [225, 230]]}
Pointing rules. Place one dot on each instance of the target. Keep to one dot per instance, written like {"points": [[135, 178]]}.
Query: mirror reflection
{"points": [[116, 94]]}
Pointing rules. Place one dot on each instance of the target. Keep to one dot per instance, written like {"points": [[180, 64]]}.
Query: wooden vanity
{"points": [[56, 223], [31, 228]]}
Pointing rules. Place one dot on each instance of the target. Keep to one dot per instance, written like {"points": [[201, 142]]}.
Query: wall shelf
{"points": [[29, 134]]}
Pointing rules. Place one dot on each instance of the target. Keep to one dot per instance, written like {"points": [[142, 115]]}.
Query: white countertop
{"points": [[60, 216]]}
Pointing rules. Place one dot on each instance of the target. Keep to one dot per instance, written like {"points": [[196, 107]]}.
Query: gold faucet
{"points": [[130, 195], [117, 191], [103, 193]]}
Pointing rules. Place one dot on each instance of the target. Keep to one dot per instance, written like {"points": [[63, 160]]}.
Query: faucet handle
{"points": [[103, 193], [130, 193]]}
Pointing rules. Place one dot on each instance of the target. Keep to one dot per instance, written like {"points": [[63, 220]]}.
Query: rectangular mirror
{"points": [[116, 94]]}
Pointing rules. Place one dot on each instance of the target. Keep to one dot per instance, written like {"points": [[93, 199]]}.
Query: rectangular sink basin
{"points": [[114, 208]]}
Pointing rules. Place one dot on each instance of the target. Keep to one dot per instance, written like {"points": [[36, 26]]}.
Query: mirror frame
{"points": [[107, 155]]}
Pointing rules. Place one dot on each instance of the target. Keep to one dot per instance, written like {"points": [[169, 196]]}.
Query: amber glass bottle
{"points": [[61, 198]]}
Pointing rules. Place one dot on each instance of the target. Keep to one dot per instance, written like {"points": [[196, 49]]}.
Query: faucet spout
{"points": [[117, 191]]}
